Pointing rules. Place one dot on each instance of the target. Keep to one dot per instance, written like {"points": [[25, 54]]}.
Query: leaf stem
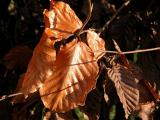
{"points": [[4, 97]]}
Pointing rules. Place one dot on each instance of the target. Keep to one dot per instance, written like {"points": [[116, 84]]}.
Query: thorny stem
{"points": [[114, 16]]}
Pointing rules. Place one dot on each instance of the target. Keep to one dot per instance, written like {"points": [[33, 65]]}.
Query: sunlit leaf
{"points": [[65, 76], [74, 75], [62, 20], [96, 43], [40, 65]]}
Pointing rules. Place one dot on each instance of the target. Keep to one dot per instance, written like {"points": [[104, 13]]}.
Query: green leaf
{"points": [[79, 114], [112, 112]]}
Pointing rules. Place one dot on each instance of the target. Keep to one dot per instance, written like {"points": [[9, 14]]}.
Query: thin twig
{"points": [[122, 56], [114, 16], [141, 51], [4, 97], [130, 52], [90, 7]]}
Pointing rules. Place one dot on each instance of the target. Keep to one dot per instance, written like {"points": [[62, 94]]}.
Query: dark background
{"points": [[21, 24]]}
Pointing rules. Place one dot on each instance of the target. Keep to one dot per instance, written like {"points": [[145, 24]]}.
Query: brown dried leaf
{"points": [[63, 77], [59, 19], [62, 20], [74, 75], [40, 65], [18, 57], [126, 86], [96, 43]]}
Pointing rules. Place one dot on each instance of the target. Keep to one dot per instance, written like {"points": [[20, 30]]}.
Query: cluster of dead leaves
{"points": [[64, 68], [66, 74]]}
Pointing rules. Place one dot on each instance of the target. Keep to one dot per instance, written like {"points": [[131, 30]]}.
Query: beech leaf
{"points": [[96, 43], [74, 75], [57, 21], [126, 86], [40, 65], [65, 76], [62, 20]]}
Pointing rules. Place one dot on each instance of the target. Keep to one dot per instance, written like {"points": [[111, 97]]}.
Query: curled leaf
{"points": [[62, 20], [126, 86]]}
